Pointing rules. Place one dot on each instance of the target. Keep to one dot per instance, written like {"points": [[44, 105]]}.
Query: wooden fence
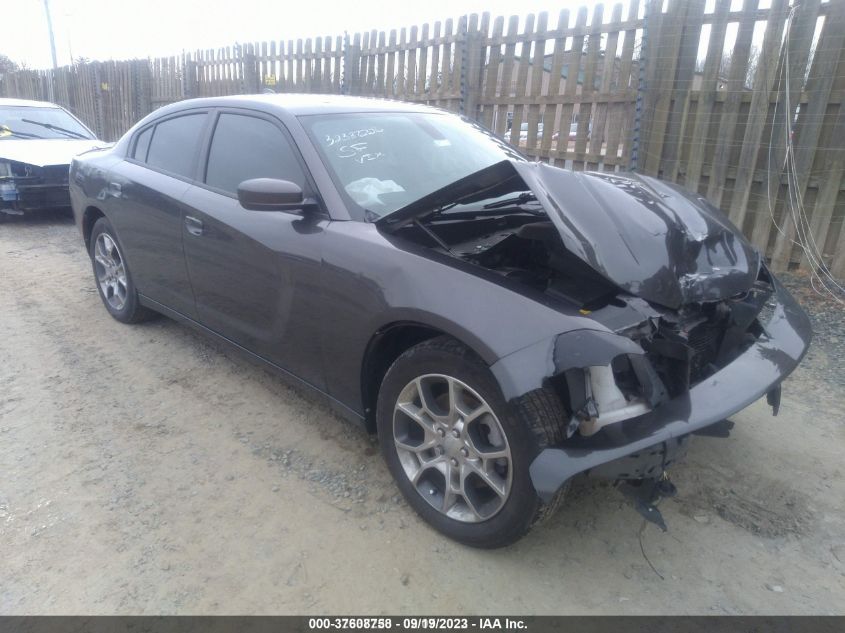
{"points": [[619, 88]]}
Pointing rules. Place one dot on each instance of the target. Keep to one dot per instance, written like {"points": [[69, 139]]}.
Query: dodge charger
{"points": [[502, 325]]}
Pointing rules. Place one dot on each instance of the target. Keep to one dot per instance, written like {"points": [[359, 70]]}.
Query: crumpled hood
{"points": [[44, 152], [650, 238]]}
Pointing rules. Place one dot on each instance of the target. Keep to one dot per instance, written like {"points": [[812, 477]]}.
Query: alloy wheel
{"points": [[110, 270], [452, 448]]}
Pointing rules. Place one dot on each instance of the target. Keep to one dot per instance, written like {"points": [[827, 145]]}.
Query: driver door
{"points": [[256, 274]]}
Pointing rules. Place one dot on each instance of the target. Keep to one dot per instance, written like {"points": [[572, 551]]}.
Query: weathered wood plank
{"points": [[588, 89], [707, 95], [504, 88], [434, 80], [620, 113], [683, 85], [573, 67], [550, 111], [808, 128], [522, 78], [798, 50], [491, 81], [598, 135], [660, 90], [725, 140], [537, 71], [764, 79]]}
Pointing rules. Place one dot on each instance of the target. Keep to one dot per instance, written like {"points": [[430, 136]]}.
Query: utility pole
{"points": [[52, 48]]}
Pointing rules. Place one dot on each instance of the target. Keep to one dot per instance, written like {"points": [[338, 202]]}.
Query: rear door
{"points": [[256, 274], [146, 206]]}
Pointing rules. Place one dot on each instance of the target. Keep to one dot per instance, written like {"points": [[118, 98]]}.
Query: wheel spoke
{"points": [[492, 481], [468, 499], [449, 496], [474, 414], [454, 398], [435, 463], [426, 399], [426, 445], [414, 412], [494, 454]]}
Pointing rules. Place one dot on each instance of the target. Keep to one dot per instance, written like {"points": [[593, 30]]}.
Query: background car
{"points": [[37, 142], [502, 325]]}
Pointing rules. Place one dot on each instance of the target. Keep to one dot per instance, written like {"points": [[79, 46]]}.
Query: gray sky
{"points": [[120, 29]]}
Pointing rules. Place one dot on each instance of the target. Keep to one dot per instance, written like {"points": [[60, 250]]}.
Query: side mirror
{"points": [[270, 194]]}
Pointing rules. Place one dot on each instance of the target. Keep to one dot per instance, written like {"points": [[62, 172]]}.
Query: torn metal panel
{"points": [[648, 237], [754, 373]]}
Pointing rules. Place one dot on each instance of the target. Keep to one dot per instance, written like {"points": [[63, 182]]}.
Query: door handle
{"points": [[193, 225], [115, 189]]}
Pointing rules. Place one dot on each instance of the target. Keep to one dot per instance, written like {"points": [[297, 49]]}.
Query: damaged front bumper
{"points": [[16, 199], [643, 446], [31, 188]]}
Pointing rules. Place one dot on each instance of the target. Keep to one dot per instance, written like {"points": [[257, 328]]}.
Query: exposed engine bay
{"points": [[681, 346], [523, 248]]}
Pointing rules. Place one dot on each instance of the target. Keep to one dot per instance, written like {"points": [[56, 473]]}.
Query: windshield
{"points": [[21, 123], [384, 161]]}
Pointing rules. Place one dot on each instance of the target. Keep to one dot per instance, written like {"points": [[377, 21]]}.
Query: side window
{"points": [[142, 145], [174, 144], [245, 147]]}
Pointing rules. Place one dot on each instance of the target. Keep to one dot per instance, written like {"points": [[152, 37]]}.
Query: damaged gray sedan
{"points": [[502, 325]]}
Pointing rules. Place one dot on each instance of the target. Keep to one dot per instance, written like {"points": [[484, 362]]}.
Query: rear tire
{"points": [[421, 435], [112, 276]]}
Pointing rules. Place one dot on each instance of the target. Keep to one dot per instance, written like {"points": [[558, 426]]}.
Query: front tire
{"points": [[112, 276], [459, 453]]}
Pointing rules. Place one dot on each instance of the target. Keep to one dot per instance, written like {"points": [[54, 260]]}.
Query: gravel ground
{"points": [[145, 470]]}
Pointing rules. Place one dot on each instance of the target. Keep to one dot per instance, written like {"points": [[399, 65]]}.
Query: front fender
{"points": [[757, 371], [526, 369]]}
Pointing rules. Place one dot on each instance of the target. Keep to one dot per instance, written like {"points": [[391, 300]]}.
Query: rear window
{"points": [[175, 143], [142, 145]]}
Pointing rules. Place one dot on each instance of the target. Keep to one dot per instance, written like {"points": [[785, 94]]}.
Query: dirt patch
{"points": [[763, 506]]}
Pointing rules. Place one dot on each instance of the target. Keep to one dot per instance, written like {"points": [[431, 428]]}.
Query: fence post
{"points": [[250, 70], [189, 77], [345, 65], [99, 123], [641, 87], [471, 69], [353, 66], [660, 78], [462, 49]]}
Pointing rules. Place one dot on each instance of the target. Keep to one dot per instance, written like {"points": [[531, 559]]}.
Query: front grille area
{"points": [[704, 341], [54, 174], [43, 197]]}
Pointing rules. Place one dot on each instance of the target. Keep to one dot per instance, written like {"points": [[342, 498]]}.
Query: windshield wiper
{"points": [[55, 128], [525, 196], [480, 213], [5, 131]]}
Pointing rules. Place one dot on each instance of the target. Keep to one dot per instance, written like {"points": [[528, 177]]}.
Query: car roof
{"points": [[305, 104], [26, 103]]}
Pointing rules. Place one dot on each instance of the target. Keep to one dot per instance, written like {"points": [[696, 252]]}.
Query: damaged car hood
{"points": [[650, 238], [44, 152]]}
